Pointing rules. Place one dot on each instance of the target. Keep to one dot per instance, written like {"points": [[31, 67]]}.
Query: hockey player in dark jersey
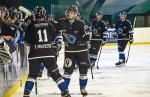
{"points": [[5, 26], [40, 37], [76, 47], [51, 20], [97, 40], [124, 30], [8, 30], [14, 29]]}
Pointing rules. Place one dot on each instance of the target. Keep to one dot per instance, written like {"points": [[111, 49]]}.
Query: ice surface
{"points": [[133, 80]]}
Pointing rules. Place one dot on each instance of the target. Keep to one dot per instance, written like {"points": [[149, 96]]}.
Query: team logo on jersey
{"points": [[95, 31], [120, 30], [68, 62], [70, 38]]}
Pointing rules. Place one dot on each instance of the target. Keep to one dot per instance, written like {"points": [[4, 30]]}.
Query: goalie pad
{"points": [[5, 55]]}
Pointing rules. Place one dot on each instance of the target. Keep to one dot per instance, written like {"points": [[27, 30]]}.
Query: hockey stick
{"points": [[130, 43], [91, 66], [92, 72], [99, 56], [128, 53], [25, 10], [36, 90], [77, 4]]}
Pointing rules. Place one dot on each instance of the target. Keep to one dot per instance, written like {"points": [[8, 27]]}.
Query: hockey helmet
{"points": [[73, 8], [99, 13], [123, 13], [39, 12]]}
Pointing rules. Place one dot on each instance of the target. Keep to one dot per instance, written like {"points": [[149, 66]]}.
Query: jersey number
{"points": [[45, 36]]}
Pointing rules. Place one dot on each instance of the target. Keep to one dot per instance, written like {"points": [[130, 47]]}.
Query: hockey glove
{"points": [[86, 37], [103, 42], [11, 45], [56, 45], [131, 38], [89, 45]]}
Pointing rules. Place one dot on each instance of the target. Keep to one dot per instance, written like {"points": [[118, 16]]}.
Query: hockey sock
{"points": [[83, 81], [56, 76], [64, 85], [93, 60], [41, 67], [67, 81], [28, 87], [121, 56]]}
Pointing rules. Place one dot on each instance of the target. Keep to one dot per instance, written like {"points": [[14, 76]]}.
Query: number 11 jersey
{"points": [[39, 35]]}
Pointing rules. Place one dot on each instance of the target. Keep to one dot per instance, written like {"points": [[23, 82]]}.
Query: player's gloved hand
{"points": [[56, 45], [86, 37], [29, 19], [103, 42], [131, 41], [59, 47], [131, 38], [12, 46], [89, 45]]}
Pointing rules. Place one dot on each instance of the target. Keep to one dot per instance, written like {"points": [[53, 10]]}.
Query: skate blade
{"points": [[84, 95], [122, 65]]}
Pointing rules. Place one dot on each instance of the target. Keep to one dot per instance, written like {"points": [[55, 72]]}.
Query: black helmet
{"points": [[123, 13], [73, 8], [99, 13], [39, 12], [14, 13]]}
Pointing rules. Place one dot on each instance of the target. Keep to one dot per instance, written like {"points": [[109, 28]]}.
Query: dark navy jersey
{"points": [[39, 33], [7, 29], [123, 28], [98, 27], [73, 35], [40, 36]]}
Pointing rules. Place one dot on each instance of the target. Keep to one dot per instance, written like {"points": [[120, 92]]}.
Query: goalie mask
{"points": [[39, 12]]}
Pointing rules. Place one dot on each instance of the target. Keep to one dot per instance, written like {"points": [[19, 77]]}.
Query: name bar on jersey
{"points": [[40, 46], [41, 24]]}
